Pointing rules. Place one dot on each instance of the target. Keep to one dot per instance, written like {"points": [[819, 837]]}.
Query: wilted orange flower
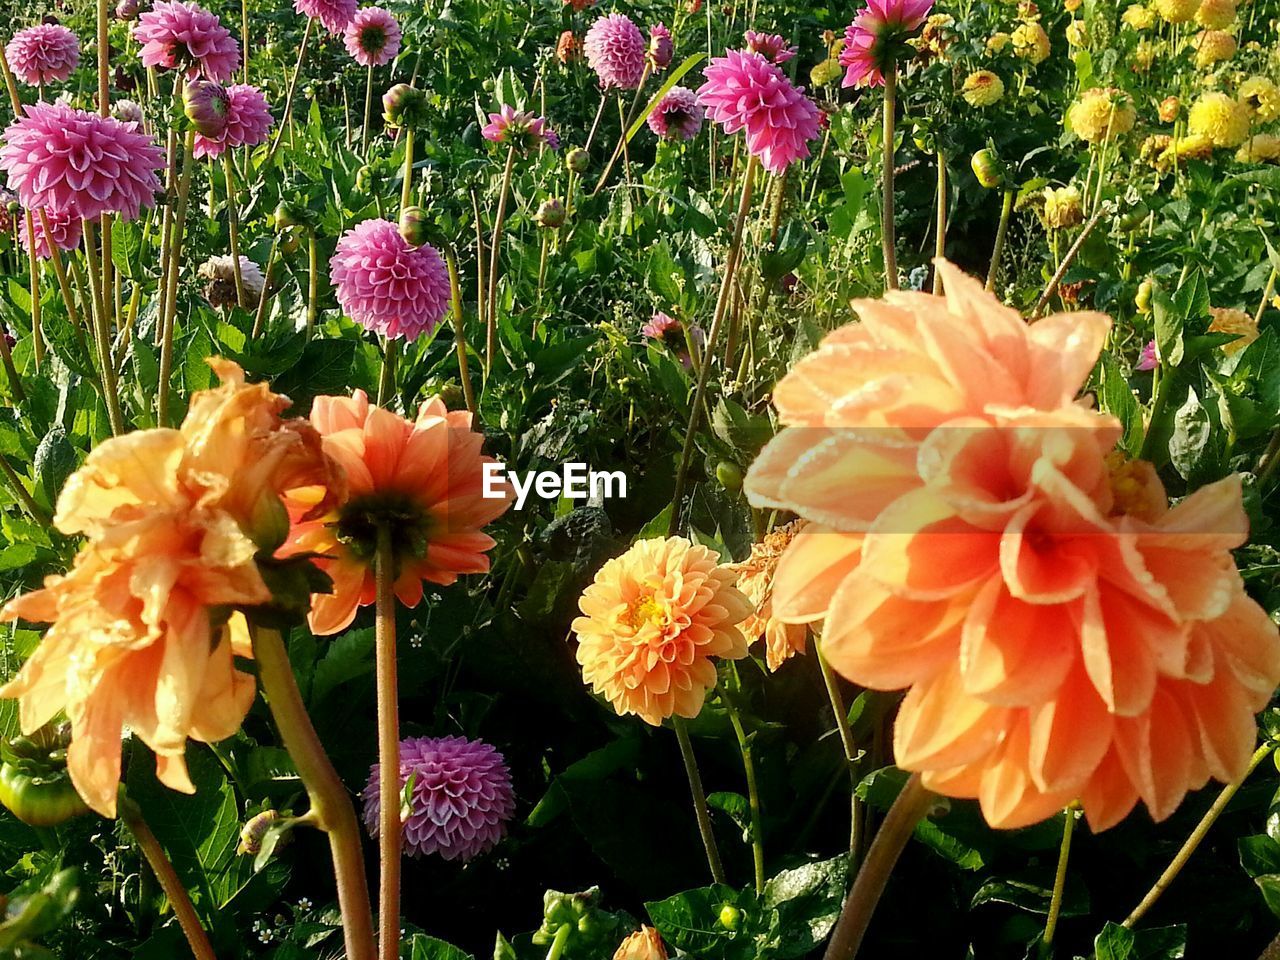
{"points": [[140, 637], [424, 477], [652, 621], [644, 944], [1236, 322], [755, 579], [1063, 633]]}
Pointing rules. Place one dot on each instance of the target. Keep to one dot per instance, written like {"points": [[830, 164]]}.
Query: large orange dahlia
{"points": [[425, 478], [1063, 634], [652, 622], [174, 521]]}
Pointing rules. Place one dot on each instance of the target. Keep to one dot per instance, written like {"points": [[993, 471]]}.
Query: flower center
{"points": [[373, 39], [358, 522], [646, 609]]}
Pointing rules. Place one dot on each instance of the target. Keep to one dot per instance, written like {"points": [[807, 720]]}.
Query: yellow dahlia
{"points": [[997, 42], [1101, 113], [1214, 46], [1144, 54], [1077, 33], [982, 88], [1224, 121], [1236, 322], [1262, 97], [1030, 42], [1260, 148], [1216, 14], [652, 622], [1138, 17], [1062, 207], [1176, 11], [755, 579]]}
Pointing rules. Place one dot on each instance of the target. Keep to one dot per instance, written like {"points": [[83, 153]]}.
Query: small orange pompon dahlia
{"points": [[755, 579], [1064, 634], [651, 624], [424, 477], [175, 522], [644, 944]]}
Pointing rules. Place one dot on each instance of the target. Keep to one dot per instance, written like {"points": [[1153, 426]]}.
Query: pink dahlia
{"points": [[461, 800], [744, 90], [521, 129], [1147, 360], [661, 47], [677, 116], [771, 46], [616, 51], [334, 15], [386, 285], [60, 158], [877, 37], [177, 35], [248, 122], [372, 37], [63, 227], [43, 54]]}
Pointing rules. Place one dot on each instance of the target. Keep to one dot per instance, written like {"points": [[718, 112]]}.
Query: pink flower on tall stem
{"points": [[1148, 360], [387, 286], [176, 35], [519, 128], [877, 37], [746, 91], [60, 158], [45, 53], [616, 50], [63, 227], [661, 47], [248, 122], [771, 46], [677, 116], [372, 37], [334, 15]]}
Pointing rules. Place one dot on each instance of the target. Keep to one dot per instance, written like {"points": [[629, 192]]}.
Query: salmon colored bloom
{"points": [[425, 477], [653, 620], [174, 521], [755, 579], [1063, 633], [644, 944]]}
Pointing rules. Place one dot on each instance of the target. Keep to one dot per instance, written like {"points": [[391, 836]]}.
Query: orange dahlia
{"points": [[755, 579], [425, 478], [651, 624], [644, 944], [175, 522], [1063, 633]]}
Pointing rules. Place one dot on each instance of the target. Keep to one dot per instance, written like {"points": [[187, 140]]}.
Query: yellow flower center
{"points": [[646, 609]]}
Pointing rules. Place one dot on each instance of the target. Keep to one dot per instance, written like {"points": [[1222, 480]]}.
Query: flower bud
{"points": [[661, 49], [252, 833], [729, 474], [550, 215], [987, 168], [414, 226], [205, 104], [1169, 108], [127, 10], [290, 214], [577, 160], [1142, 300], [126, 111], [404, 106], [644, 944], [730, 917]]}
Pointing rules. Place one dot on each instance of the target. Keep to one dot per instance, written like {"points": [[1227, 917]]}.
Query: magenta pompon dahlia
{"points": [[616, 50], [746, 91], [248, 122], [60, 158], [461, 801], [661, 47], [63, 227], [45, 53], [1147, 359], [677, 116], [877, 37], [771, 46], [334, 15], [520, 129], [184, 36], [372, 37], [387, 286]]}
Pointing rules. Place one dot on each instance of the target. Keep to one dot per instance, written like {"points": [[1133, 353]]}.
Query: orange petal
{"points": [[939, 725], [1015, 653], [812, 568]]}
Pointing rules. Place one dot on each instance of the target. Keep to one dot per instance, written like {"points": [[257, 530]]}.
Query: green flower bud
{"points": [[987, 168], [730, 917], [205, 104], [414, 226], [550, 214], [254, 830], [404, 106], [1142, 300], [730, 475], [577, 160]]}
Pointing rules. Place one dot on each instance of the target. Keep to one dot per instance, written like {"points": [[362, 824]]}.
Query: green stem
{"points": [[387, 379], [286, 118], [1197, 835], [753, 794], [1002, 233], [886, 211], [622, 135], [1058, 274], [233, 227], [101, 331], [849, 745], [313, 283], [1060, 877], [495, 260], [368, 111], [558, 942], [331, 808], [33, 264], [24, 497], [940, 222], [1157, 413], [406, 189], [459, 333], [260, 315], [713, 337], [170, 280], [389, 824], [699, 799]]}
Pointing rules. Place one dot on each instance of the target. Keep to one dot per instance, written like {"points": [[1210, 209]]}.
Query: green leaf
{"points": [[690, 921], [422, 947], [597, 765], [348, 657], [1169, 322], [672, 79], [1119, 401], [807, 900], [55, 458], [1191, 445], [1161, 943], [745, 432]]}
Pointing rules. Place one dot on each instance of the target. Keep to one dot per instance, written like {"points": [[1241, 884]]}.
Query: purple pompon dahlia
{"points": [[616, 50], [184, 36], [462, 797], [771, 46], [387, 286], [372, 37], [45, 53], [877, 37], [520, 129], [746, 91], [678, 115], [1147, 359], [60, 158], [63, 227], [248, 122], [334, 15], [661, 47]]}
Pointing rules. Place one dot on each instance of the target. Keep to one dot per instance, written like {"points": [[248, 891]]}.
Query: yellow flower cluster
{"points": [[982, 88], [1062, 207], [1101, 113], [1261, 97], [1216, 116], [1216, 14], [997, 42], [1214, 46], [1260, 148], [826, 73], [1138, 17], [1030, 42], [1176, 11], [1078, 33]]}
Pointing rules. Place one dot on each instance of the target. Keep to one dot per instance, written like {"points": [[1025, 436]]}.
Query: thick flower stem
{"points": [[244, 38], [170, 281], [192, 929], [19, 490], [910, 807], [11, 371], [331, 808], [1058, 274], [387, 378], [713, 338], [233, 226], [102, 333], [389, 825], [495, 262], [1197, 835], [1059, 877], [1002, 233], [406, 188], [940, 227], [595, 124], [887, 237], [753, 794], [699, 799], [622, 134], [260, 316], [849, 745], [368, 111], [459, 333], [104, 59], [556, 950], [33, 264], [286, 118]]}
